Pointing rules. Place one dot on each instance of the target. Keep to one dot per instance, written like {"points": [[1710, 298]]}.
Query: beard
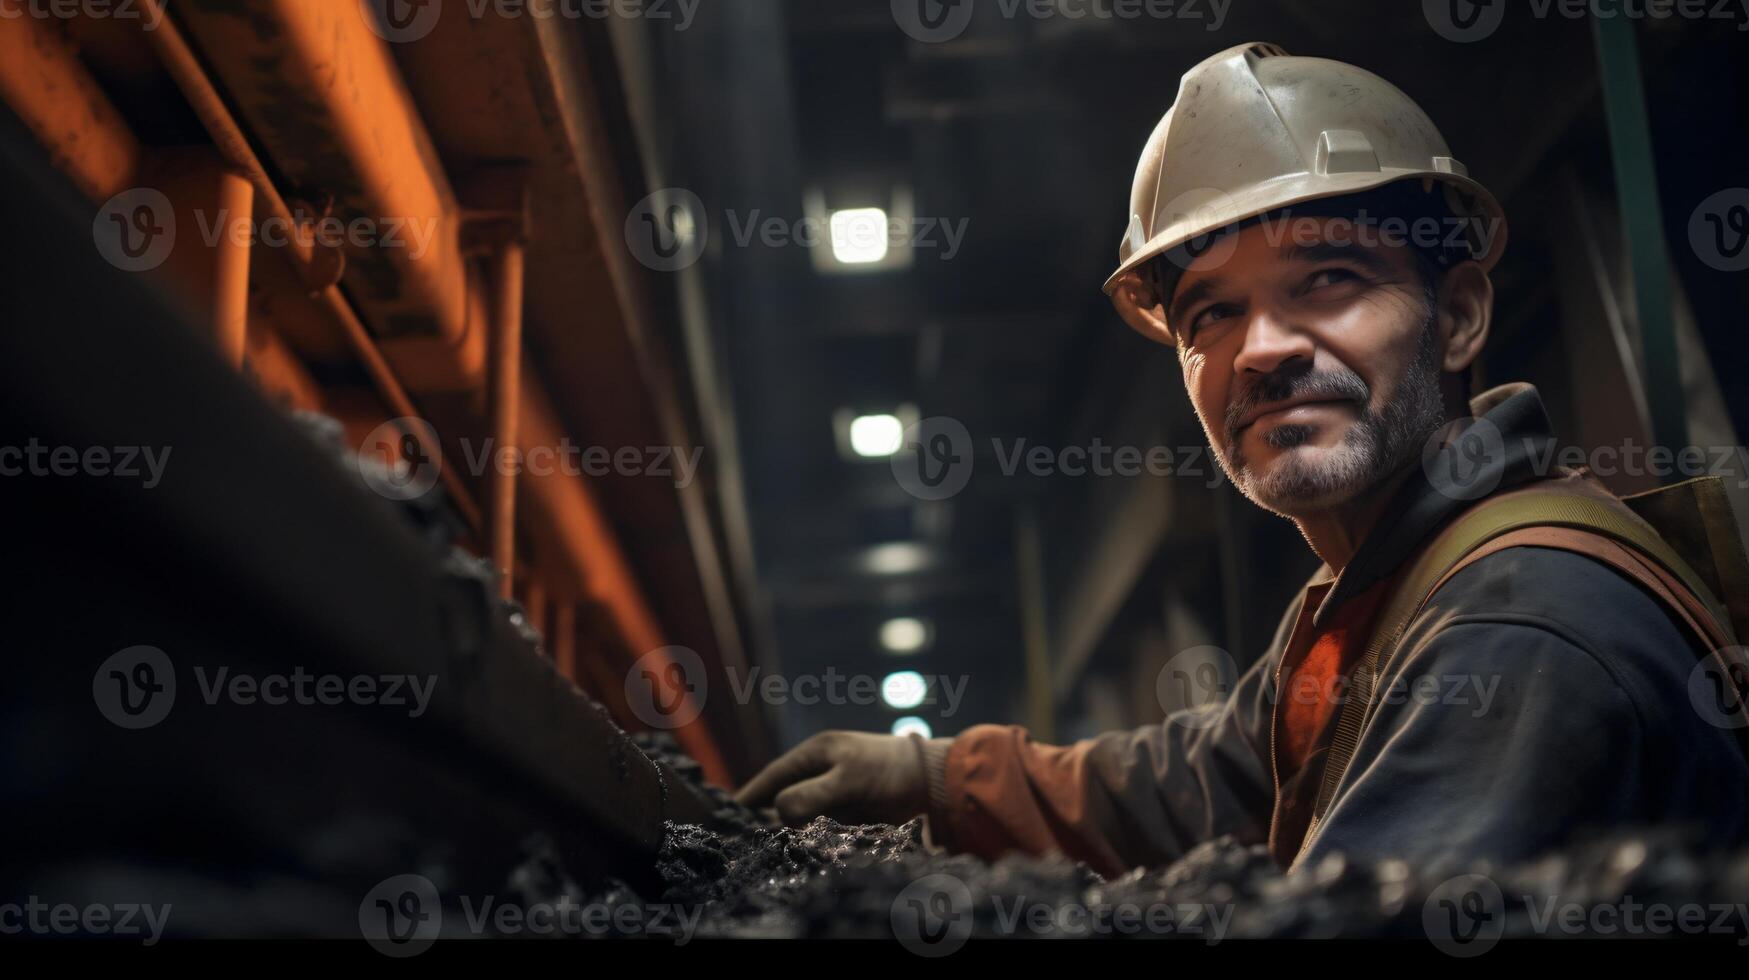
{"points": [[1380, 442]]}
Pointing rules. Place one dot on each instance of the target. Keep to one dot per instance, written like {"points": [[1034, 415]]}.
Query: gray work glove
{"points": [[852, 777]]}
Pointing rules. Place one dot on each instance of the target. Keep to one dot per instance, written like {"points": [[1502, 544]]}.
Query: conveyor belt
{"points": [[256, 554]]}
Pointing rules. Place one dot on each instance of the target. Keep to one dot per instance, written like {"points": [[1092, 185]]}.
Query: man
{"points": [[1302, 238]]}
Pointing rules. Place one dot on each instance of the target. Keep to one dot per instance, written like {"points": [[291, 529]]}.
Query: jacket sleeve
{"points": [[1118, 801]]}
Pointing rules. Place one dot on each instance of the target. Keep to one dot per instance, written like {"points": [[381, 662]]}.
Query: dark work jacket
{"points": [[1588, 726]]}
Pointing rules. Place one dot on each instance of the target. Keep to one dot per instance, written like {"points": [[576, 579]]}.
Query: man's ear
{"points": [[1466, 310], [1139, 307]]}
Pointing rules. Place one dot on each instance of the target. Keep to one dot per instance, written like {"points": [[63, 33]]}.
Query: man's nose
{"points": [[1270, 341]]}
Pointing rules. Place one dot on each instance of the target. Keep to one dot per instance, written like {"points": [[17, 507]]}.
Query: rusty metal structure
{"points": [[407, 249], [485, 308]]}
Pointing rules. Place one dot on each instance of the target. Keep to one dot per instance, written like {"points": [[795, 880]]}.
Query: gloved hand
{"points": [[852, 777]]}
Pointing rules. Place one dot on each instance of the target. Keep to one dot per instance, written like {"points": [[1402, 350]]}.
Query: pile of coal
{"points": [[727, 816], [746, 876]]}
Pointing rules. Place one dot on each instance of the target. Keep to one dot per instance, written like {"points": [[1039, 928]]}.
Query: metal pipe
{"points": [[45, 83], [392, 394], [506, 393], [1636, 181], [230, 272], [408, 173], [563, 641], [317, 265], [534, 605], [321, 93], [190, 77]]}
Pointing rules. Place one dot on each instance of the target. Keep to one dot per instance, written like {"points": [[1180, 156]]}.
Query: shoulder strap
{"points": [[1459, 544]]}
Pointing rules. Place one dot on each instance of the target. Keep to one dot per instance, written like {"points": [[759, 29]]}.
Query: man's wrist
{"points": [[933, 754]]}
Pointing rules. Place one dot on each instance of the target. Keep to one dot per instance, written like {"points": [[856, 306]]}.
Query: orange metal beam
{"points": [[278, 370], [323, 97], [564, 638], [45, 83], [205, 192], [318, 266], [506, 393], [596, 566], [363, 118]]}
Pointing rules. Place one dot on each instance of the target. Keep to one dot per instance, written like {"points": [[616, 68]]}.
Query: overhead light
{"points": [[863, 231], [870, 433], [859, 235], [874, 436], [904, 689], [911, 724], [904, 635], [896, 558]]}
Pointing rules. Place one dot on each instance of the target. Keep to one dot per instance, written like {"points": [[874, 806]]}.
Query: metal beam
{"points": [[1636, 182]]}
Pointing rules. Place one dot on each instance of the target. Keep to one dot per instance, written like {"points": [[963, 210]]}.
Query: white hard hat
{"points": [[1255, 129]]}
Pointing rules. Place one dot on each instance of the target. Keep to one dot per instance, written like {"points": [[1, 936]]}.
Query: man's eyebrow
{"points": [[1191, 295], [1326, 251]]}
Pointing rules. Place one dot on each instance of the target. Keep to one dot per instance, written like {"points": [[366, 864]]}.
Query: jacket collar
{"points": [[1419, 508]]}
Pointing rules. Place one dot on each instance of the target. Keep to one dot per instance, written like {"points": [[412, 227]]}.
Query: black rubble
{"points": [[748, 877]]}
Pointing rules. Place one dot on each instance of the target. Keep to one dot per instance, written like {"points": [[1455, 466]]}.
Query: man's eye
{"points": [[1210, 315], [1330, 277]]}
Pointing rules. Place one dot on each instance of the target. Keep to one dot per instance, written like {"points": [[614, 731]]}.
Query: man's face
{"points": [[1314, 367]]}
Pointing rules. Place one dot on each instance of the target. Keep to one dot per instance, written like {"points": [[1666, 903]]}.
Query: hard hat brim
{"points": [[1223, 210]]}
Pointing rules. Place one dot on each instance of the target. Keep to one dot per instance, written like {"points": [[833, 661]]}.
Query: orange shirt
{"points": [[1312, 686]]}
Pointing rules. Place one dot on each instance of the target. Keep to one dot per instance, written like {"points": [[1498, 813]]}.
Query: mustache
{"points": [[1283, 385]]}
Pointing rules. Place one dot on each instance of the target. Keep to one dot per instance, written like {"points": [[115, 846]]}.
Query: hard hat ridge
{"points": [[1254, 130]]}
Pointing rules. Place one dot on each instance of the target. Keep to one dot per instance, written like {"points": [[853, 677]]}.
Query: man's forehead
{"points": [[1249, 253], [1297, 241]]}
